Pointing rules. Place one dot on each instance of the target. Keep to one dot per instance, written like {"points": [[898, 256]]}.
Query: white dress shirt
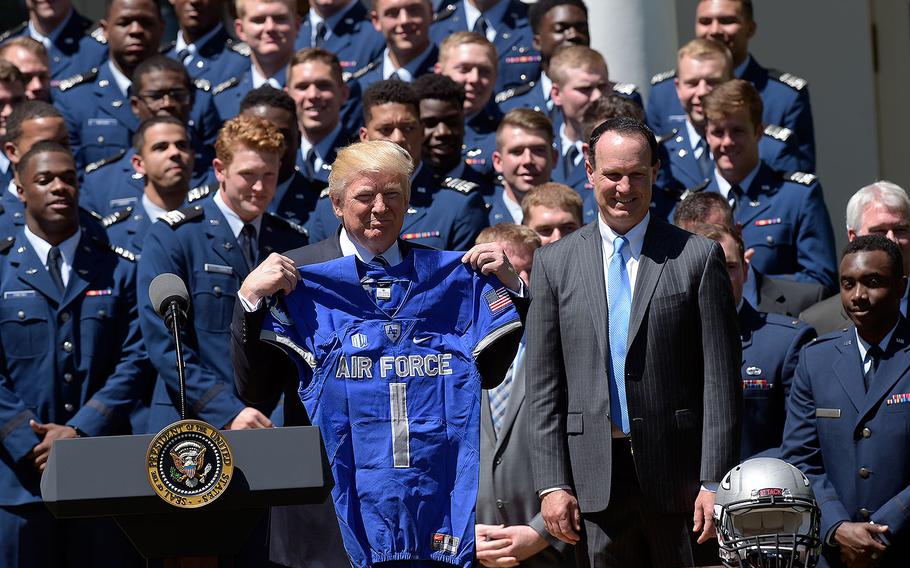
{"points": [[192, 48], [694, 139], [48, 40], [565, 143], [865, 346], [122, 81], [152, 211], [67, 251], [234, 221], [348, 247], [723, 186], [259, 79], [472, 14], [316, 19], [514, 208], [631, 253]]}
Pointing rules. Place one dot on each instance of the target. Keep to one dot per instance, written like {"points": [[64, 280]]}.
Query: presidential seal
{"points": [[189, 464]]}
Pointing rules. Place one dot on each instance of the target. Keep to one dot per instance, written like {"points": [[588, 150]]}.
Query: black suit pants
{"points": [[630, 532]]}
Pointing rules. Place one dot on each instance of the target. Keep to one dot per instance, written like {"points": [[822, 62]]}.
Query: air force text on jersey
{"points": [[402, 366]]}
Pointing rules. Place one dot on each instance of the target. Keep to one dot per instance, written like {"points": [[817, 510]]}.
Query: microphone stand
{"points": [[173, 314]]}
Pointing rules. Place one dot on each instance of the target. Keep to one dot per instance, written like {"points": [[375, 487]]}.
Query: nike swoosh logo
{"points": [[418, 341]]}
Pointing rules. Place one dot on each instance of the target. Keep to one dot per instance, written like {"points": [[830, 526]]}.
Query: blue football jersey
{"points": [[387, 371]]}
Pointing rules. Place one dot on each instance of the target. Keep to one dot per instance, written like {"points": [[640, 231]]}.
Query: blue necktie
{"points": [[619, 305], [704, 160]]}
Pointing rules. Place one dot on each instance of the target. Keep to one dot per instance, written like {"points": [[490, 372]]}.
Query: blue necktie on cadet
{"points": [[619, 306]]}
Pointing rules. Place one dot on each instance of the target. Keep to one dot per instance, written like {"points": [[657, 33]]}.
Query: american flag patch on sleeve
{"points": [[498, 299]]}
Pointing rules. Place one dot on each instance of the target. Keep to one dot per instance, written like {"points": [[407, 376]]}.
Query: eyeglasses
{"points": [[181, 96]]}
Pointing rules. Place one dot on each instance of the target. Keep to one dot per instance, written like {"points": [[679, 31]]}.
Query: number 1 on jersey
{"points": [[401, 437]]}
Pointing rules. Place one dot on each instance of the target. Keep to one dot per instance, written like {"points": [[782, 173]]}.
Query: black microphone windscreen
{"points": [[166, 288]]}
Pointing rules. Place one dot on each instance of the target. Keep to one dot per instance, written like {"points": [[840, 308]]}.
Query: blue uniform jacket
{"points": [[197, 245], [372, 73], [98, 117], [218, 59], [785, 98], [76, 49], [445, 214], [295, 199], [227, 95], [74, 358], [518, 60], [480, 139], [353, 39], [771, 345], [573, 176], [327, 148], [679, 169], [852, 444], [497, 212], [785, 220]]}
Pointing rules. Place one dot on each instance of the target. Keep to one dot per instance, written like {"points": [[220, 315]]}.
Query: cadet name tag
{"points": [[14, 294], [189, 464], [827, 412]]}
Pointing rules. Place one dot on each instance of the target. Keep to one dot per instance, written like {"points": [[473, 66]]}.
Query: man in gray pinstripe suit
{"points": [[633, 352]]}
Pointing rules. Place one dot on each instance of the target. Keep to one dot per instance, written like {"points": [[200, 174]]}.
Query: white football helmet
{"points": [[766, 516]]}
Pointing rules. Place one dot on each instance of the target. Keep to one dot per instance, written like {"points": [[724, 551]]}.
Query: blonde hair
{"points": [[466, 38], [515, 235], [574, 57], [238, 5], [372, 157], [702, 49], [30, 45], [553, 195], [249, 132]]}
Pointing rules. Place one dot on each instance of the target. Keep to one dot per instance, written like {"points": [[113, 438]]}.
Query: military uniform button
{"points": [[20, 314], [864, 473], [65, 317], [499, 504], [770, 239], [864, 514], [101, 139], [498, 461], [217, 291], [68, 346], [68, 377], [867, 432], [68, 407]]}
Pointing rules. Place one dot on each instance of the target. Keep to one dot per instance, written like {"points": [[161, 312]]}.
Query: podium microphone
{"points": [[171, 300]]}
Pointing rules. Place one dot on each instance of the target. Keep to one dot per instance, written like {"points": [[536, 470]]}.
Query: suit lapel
{"points": [[516, 399], [595, 287], [893, 366], [650, 266], [849, 369]]}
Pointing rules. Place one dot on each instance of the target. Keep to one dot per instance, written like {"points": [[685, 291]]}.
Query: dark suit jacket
{"points": [[682, 369], [506, 493], [786, 297], [826, 316]]}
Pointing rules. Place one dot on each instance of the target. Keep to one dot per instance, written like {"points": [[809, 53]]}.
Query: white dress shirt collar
{"points": [[234, 221], [493, 16], [694, 139], [565, 143], [631, 253], [67, 251], [4, 162], [864, 346], [406, 72], [330, 22], [514, 208], [152, 211], [48, 40], [11, 187], [259, 79], [322, 147], [723, 186], [192, 48], [350, 248], [547, 85], [122, 81]]}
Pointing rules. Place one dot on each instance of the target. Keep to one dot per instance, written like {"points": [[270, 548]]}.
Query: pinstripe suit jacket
{"points": [[682, 369]]}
